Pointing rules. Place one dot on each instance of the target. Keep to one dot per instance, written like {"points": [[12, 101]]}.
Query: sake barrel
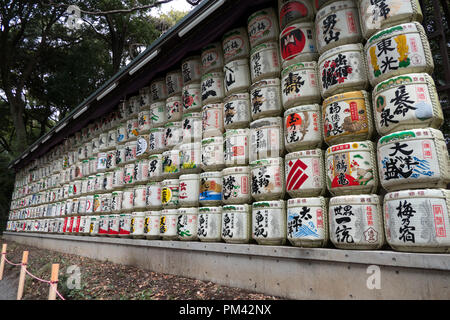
{"points": [[124, 225], [132, 129], [416, 158], [144, 123], [291, 11], [103, 225], [406, 102], [351, 168], [156, 140], [116, 201], [192, 126], [398, 50], [210, 191], [118, 176], [128, 199], [356, 222], [173, 134], [347, 117], [262, 26], [209, 224], [298, 44], [140, 197], [266, 138], [174, 108], [236, 149], [307, 222], [299, 84], [265, 61], [187, 224], [237, 76], [342, 69], [168, 224], [155, 167], [170, 193], [212, 120], [302, 128], [212, 154], [121, 135], [191, 69], [212, 58], [153, 199], [158, 90], [305, 173], [236, 185], [129, 175], [236, 111], [236, 223], [94, 226], [192, 97], [213, 90], [111, 162], [189, 188], [171, 163], [337, 23], [142, 146], [174, 83], [267, 179], [378, 15], [191, 157], [418, 220], [137, 225], [152, 225], [266, 98], [269, 222], [235, 44], [158, 116], [144, 98]]}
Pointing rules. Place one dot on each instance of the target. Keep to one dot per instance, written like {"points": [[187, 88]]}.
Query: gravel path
{"points": [[8, 285]]}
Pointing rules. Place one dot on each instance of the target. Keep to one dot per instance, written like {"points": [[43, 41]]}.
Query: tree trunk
{"points": [[17, 107]]}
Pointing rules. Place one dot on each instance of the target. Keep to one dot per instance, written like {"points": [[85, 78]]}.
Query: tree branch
{"points": [[104, 13]]}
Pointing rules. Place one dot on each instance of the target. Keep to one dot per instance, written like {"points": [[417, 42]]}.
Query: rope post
{"points": [[2, 261], [22, 275], [53, 282]]}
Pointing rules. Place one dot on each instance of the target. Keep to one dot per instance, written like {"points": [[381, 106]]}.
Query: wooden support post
{"points": [[54, 282], [2, 261], [22, 275]]}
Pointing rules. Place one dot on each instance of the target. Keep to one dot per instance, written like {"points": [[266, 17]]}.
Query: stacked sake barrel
{"points": [[228, 146], [355, 218], [412, 154]]}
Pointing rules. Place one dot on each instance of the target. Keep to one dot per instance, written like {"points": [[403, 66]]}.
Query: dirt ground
{"points": [[107, 281]]}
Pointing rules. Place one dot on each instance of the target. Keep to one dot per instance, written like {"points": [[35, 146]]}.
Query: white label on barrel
{"points": [[306, 223]]}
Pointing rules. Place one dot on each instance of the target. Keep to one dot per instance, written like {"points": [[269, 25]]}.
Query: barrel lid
{"points": [[217, 74], [242, 61], [188, 210], [266, 11], [189, 176], [210, 210], [416, 193], [269, 204], [236, 170], [218, 139], [426, 133], [393, 31], [194, 85], [332, 7], [230, 132], [361, 94], [299, 66], [153, 183], [174, 98], [212, 106], [303, 108], [173, 124], [157, 104], [265, 83], [350, 146], [233, 32], [266, 162], [139, 213], [355, 199], [170, 181], [192, 114], [304, 153], [405, 79], [346, 47], [153, 213], [159, 129], [211, 174], [154, 156], [169, 211], [270, 121], [236, 207], [237, 96]]}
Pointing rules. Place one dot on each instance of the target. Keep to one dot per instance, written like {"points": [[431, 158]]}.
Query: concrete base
{"points": [[290, 272]]}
